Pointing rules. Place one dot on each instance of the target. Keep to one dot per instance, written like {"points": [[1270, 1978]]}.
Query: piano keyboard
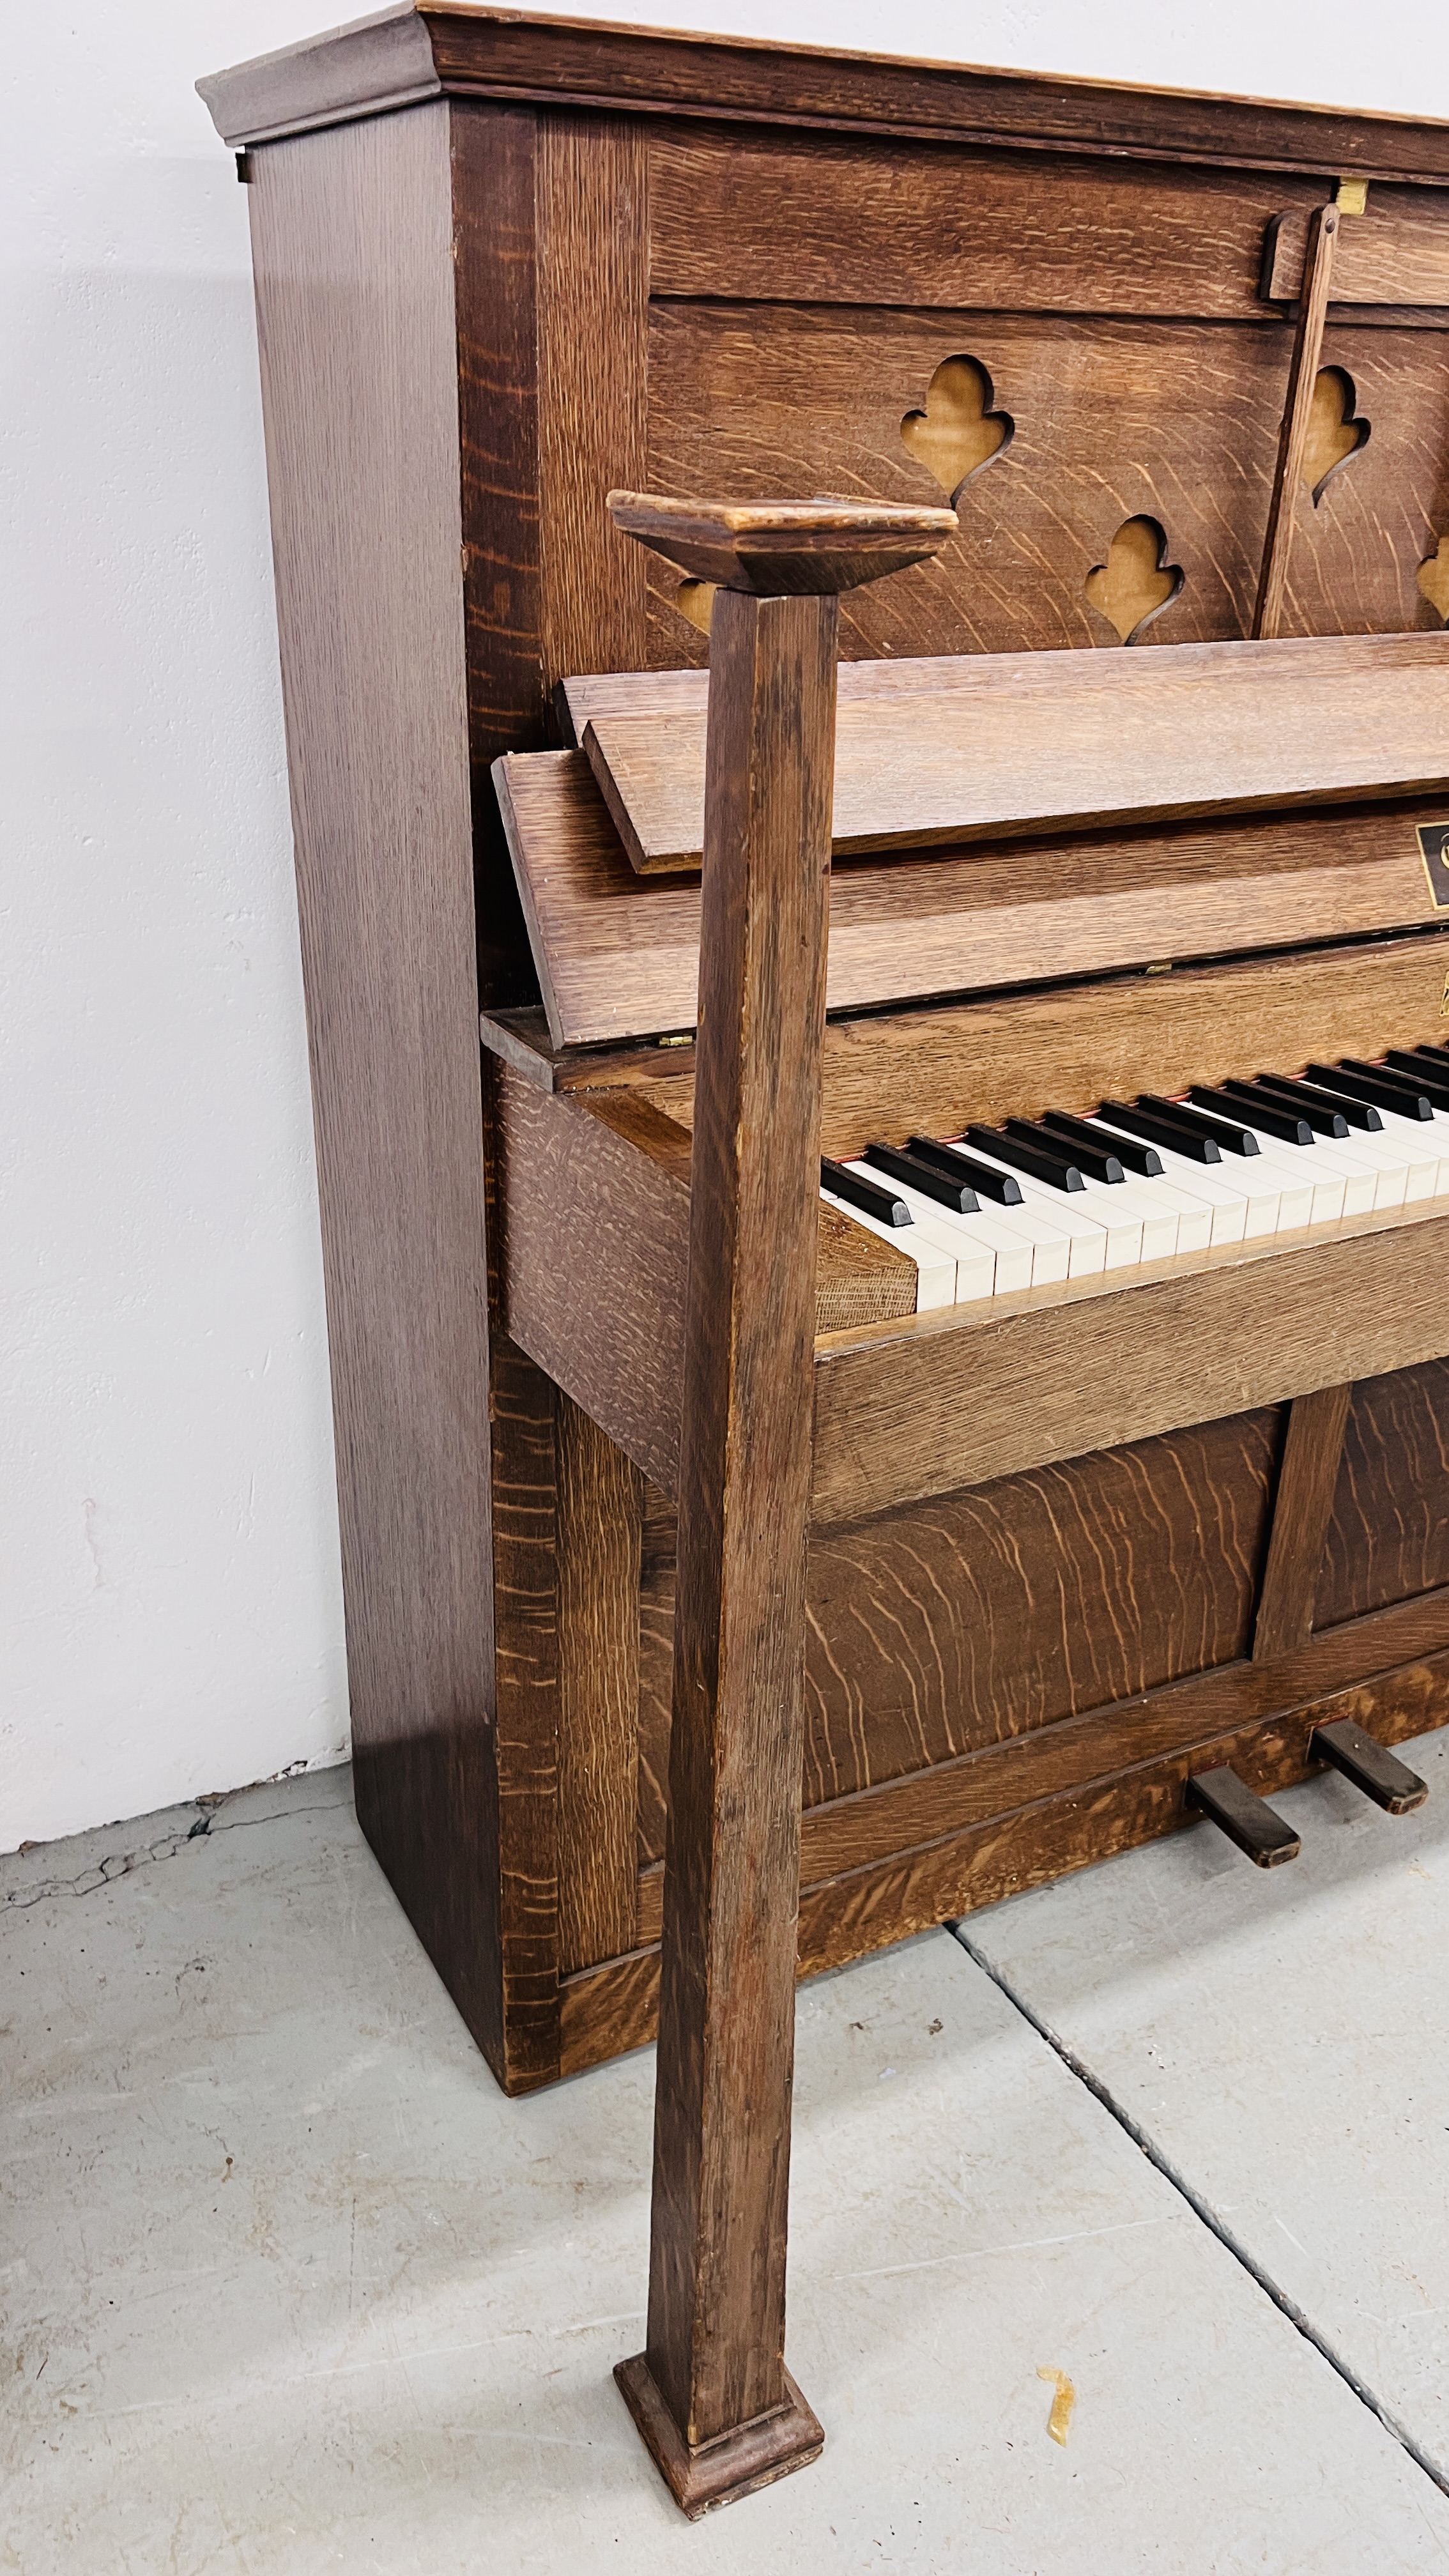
{"points": [[1035, 1201]]}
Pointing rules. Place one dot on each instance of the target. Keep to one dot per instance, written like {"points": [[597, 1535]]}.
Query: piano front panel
{"points": [[1389, 1535], [1114, 420]]}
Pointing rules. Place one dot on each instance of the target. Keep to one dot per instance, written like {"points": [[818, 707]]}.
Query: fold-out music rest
{"points": [[978, 747], [1308, 765]]}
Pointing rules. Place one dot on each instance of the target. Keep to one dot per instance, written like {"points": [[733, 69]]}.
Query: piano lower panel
{"points": [[891, 1862]]}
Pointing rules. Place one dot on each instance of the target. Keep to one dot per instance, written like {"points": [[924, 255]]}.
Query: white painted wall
{"points": [[170, 1612]]}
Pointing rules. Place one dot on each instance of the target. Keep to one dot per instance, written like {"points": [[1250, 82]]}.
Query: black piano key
{"points": [[1243, 1816], [1420, 1074], [1434, 1055], [1385, 1090], [1354, 1113], [1097, 1160], [1237, 1140], [987, 1182], [1412, 1088], [948, 1193], [866, 1195], [1075, 1131], [1167, 1133], [1321, 1116], [1054, 1169], [1269, 1120]]}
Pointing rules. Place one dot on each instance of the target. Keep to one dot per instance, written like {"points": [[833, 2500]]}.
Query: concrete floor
{"points": [[285, 2285]]}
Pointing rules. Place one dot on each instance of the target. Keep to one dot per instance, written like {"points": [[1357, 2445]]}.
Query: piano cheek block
{"points": [[1243, 1816]]}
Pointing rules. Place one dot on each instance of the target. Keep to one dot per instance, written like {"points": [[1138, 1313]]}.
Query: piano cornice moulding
{"points": [[401, 57]]}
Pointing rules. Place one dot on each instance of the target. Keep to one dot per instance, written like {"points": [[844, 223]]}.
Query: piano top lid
{"points": [[989, 746], [403, 56]]}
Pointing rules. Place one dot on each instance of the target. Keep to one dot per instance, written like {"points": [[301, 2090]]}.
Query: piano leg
{"points": [[710, 2394]]}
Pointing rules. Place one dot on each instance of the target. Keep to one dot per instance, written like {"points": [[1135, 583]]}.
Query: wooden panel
{"points": [[962, 1622], [797, 221], [593, 294], [494, 156], [1388, 1538], [1302, 1502], [600, 1521], [1356, 555], [378, 64], [593, 1242], [1074, 741], [1397, 252], [1016, 1056], [618, 953], [1174, 421], [595, 1258], [352, 243], [1053, 1373], [612, 2008]]}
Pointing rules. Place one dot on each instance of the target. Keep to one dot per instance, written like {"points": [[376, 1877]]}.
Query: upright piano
{"points": [[906, 1413]]}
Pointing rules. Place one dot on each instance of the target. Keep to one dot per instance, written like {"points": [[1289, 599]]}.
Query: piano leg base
{"points": [[735, 2463]]}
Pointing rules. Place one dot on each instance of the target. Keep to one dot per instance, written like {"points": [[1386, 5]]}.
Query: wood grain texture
{"points": [[981, 1616], [1053, 1373], [1015, 1055], [618, 953], [600, 1525], [1388, 1538], [793, 219], [1321, 243], [379, 63], [1175, 421], [1397, 252], [954, 1871], [1302, 1502], [716, 2328], [494, 184], [593, 1234], [593, 232], [352, 244], [1075, 741]]}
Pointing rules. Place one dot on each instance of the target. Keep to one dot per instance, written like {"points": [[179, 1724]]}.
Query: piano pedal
{"points": [[1243, 1816], [1370, 1766]]}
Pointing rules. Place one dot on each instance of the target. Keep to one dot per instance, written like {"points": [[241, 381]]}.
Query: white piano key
{"points": [[1134, 1198], [1301, 1167], [1194, 1214], [1094, 1246], [936, 1270], [968, 1238], [1203, 1182], [1051, 1242], [1422, 1143]]}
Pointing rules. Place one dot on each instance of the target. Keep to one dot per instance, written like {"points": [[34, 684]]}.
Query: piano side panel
{"points": [[1114, 419], [1388, 1539]]}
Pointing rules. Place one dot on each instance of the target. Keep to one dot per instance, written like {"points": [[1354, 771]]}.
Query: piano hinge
{"points": [[1164, 969], [1352, 196], [244, 169]]}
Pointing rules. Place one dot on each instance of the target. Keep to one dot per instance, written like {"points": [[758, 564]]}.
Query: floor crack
{"points": [[1202, 2209], [207, 1822]]}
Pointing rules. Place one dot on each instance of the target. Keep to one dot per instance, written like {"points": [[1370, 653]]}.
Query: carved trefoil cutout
{"points": [[1434, 579], [1136, 582], [1334, 435], [957, 432], [695, 600]]}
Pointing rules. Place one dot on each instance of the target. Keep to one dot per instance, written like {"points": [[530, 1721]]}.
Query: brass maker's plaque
{"points": [[1434, 850]]}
